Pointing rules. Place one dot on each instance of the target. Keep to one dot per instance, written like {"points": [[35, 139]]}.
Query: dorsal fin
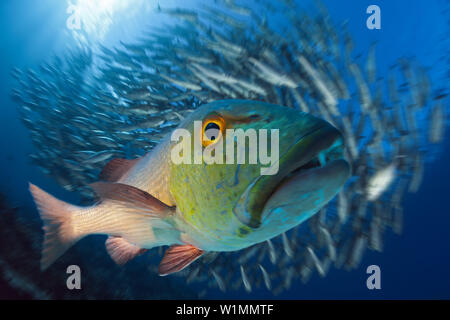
{"points": [[121, 251], [178, 257], [116, 168], [133, 196]]}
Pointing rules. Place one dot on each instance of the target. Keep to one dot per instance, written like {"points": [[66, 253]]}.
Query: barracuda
{"points": [[197, 208]]}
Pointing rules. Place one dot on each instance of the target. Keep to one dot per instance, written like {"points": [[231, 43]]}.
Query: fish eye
{"points": [[212, 131]]}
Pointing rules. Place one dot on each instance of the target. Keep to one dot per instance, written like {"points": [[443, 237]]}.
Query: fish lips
{"points": [[303, 193], [321, 139]]}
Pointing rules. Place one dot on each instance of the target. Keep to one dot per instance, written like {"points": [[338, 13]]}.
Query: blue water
{"points": [[413, 265]]}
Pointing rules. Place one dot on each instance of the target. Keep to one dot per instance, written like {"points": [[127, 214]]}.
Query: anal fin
{"points": [[121, 251], [178, 257]]}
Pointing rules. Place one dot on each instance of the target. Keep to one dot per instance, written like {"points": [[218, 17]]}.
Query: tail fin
{"points": [[58, 228]]}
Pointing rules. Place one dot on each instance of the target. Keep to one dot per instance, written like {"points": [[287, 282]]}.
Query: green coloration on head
{"points": [[224, 204]]}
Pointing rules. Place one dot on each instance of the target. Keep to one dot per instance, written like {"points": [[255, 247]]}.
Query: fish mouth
{"points": [[321, 157], [318, 154], [324, 163], [303, 194]]}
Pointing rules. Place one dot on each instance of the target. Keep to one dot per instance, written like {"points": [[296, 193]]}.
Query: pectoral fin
{"points": [[121, 251], [133, 196], [116, 168], [178, 257]]}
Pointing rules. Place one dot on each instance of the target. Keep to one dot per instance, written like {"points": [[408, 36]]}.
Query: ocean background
{"points": [[414, 265]]}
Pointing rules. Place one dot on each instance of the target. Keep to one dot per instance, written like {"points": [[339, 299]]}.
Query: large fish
{"points": [[198, 208]]}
